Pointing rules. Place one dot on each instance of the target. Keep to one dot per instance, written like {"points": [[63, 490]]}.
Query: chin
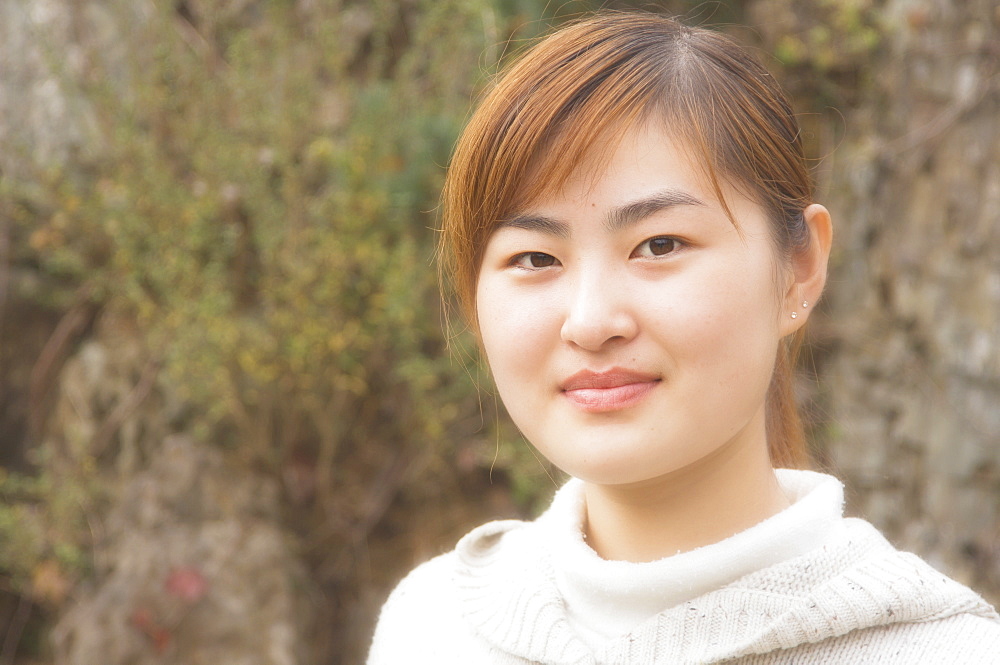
{"points": [[619, 469]]}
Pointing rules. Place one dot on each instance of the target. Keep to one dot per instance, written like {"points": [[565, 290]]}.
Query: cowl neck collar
{"points": [[507, 583]]}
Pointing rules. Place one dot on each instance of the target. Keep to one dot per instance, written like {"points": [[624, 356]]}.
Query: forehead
{"points": [[627, 164]]}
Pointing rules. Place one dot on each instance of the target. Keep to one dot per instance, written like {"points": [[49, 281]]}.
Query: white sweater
{"points": [[805, 586]]}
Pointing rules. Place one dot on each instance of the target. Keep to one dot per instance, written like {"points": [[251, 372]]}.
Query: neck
{"points": [[724, 493]]}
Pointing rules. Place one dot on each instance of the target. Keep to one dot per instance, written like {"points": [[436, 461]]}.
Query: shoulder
{"points": [[423, 596], [423, 620], [859, 600], [919, 614], [900, 587], [961, 639], [426, 587]]}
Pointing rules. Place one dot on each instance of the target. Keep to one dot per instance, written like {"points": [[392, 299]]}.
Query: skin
{"points": [[631, 329]]}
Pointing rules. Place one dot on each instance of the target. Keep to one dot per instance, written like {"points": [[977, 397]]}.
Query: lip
{"points": [[611, 390]]}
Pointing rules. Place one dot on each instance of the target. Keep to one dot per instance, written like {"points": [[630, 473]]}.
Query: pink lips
{"points": [[613, 390]]}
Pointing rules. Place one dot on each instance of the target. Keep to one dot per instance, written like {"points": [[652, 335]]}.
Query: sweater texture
{"points": [[805, 586]]}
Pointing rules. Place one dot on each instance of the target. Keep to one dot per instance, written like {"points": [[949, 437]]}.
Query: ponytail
{"points": [[786, 437]]}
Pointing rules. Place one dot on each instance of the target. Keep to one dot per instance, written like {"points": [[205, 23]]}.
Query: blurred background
{"points": [[229, 417]]}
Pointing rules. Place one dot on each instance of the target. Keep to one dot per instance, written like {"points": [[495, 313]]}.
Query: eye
{"points": [[658, 246], [533, 260]]}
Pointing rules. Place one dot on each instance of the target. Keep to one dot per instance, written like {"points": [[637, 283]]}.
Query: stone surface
{"points": [[41, 121], [910, 374], [191, 562], [193, 568]]}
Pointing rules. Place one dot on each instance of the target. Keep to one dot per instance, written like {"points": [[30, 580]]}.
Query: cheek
{"points": [[494, 314], [514, 327], [728, 321]]}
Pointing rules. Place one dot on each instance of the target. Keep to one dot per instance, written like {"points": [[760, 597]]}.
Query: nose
{"points": [[598, 313]]}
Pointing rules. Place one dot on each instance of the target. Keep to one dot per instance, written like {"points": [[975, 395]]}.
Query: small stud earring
{"points": [[805, 303], [795, 315]]}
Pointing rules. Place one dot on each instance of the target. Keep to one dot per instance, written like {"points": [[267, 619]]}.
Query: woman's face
{"points": [[630, 327]]}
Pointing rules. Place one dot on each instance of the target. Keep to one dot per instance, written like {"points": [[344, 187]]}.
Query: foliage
{"points": [[259, 198], [261, 226], [262, 203], [43, 531], [825, 47]]}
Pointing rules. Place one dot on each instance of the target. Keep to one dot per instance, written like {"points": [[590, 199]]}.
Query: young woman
{"points": [[629, 225]]}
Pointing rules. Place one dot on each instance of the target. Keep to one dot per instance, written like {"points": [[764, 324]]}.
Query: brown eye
{"points": [[539, 260], [658, 246], [532, 260], [661, 246]]}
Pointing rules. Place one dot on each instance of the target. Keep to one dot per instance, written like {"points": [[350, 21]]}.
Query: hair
{"points": [[595, 79]]}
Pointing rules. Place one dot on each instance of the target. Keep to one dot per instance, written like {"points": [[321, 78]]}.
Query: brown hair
{"points": [[596, 78]]}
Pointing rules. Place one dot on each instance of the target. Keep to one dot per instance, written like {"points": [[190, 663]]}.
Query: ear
{"points": [[808, 270]]}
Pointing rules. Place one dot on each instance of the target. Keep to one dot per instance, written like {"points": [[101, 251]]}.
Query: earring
{"points": [[805, 303], [795, 315]]}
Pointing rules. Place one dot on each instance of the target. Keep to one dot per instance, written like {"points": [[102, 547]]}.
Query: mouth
{"points": [[612, 390]]}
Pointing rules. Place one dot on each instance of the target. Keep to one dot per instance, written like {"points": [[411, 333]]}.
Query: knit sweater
{"points": [[805, 586]]}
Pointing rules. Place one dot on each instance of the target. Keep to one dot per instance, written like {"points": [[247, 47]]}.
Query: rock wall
{"points": [[915, 385], [191, 562], [195, 569], [910, 330], [42, 59]]}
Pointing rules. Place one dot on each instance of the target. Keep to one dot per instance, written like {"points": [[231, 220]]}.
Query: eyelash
{"points": [[517, 261]]}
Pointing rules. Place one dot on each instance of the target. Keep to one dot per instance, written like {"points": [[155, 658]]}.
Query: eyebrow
{"points": [[631, 213], [617, 219], [539, 223]]}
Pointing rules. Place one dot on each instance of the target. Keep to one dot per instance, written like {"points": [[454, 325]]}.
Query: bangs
{"points": [[568, 96], [589, 125]]}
